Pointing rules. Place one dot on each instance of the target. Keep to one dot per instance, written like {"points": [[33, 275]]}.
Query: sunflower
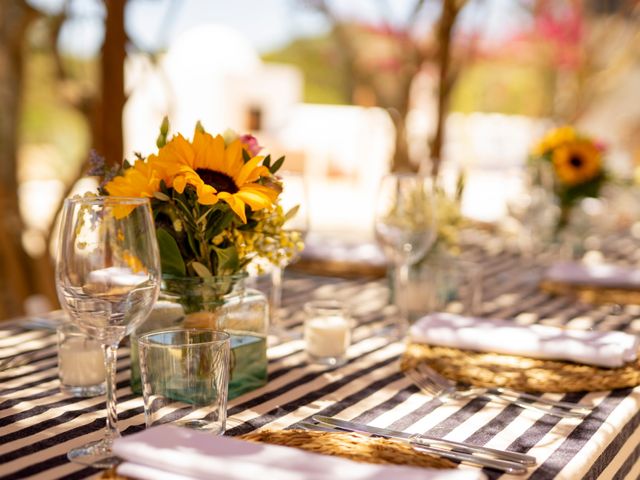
{"points": [[577, 162], [141, 180], [555, 138], [217, 172]]}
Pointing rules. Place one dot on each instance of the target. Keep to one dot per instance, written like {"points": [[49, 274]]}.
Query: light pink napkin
{"points": [[604, 349], [168, 452], [603, 275]]}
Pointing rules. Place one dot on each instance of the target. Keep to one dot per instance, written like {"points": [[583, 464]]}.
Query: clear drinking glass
{"points": [[80, 363], [405, 228], [294, 198], [107, 279], [185, 378], [446, 284]]}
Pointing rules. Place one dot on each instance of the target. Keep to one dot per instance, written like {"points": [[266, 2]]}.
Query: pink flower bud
{"points": [[251, 144]]}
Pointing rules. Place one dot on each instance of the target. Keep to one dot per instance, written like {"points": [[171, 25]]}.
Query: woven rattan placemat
{"points": [[520, 373], [352, 446], [593, 293]]}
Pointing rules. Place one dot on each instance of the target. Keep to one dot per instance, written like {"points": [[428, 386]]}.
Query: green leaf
{"points": [[164, 126], [180, 201], [218, 222], [276, 166], [245, 156], [201, 270], [161, 196], [460, 184], [203, 218], [171, 260], [291, 213], [191, 241], [161, 141], [267, 161], [227, 258], [199, 127]]}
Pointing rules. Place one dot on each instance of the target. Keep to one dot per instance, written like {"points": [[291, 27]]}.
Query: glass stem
{"points": [[276, 295], [402, 297], [110, 361]]}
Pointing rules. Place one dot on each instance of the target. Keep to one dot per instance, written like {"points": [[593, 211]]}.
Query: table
{"points": [[38, 424]]}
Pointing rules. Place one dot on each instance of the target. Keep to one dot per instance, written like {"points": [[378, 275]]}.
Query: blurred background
{"points": [[347, 90]]}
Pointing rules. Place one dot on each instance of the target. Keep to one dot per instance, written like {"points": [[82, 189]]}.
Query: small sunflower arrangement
{"points": [[577, 166], [215, 202]]}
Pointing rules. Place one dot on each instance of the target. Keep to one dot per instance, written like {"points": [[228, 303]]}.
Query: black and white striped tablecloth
{"points": [[38, 424]]}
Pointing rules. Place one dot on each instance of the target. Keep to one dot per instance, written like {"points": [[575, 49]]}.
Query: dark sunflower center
{"points": [[218, 180], [576, 161]]}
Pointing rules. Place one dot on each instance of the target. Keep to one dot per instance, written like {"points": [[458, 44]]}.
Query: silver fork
{"points": [[434, 384]]}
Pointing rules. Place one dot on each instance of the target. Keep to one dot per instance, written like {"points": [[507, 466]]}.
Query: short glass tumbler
{"points": [[185, 376], [327, 332], [446, 285], [80, 363]]}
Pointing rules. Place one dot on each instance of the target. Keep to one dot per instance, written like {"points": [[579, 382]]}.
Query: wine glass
{"points": [[107, 279], [405, 228], [294, 199]]}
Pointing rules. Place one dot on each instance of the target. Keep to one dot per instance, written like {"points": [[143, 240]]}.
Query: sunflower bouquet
{"points": [[215, 202], [577, 169]]}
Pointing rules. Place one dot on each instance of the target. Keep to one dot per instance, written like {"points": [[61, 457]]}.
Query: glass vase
{"points": [[221, 303], [443, 282]]}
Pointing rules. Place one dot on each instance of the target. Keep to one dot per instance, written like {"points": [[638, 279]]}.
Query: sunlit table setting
{"points": [[487, 364], [40, 424]]}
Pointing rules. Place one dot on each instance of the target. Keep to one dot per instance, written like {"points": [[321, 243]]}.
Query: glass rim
{"points": [[427, 176], [70, 327], [462, 264], [222, 337], [325, 305], [102, 199], [212, 279]]}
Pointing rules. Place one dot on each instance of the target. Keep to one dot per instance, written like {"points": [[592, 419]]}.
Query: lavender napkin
{"points": [[602, 275], [168, 452], [604, 349]]}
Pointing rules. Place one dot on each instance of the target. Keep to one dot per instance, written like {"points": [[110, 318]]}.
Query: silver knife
{"points": [[479, 461], [428, 441]]}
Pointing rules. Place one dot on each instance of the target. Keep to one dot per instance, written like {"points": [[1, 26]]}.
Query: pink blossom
{"points": [[251, 144], [563, 26], [600, 145]]}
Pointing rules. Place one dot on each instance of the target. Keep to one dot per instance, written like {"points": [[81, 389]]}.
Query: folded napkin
{"points": [[168, 452], [604, 349], [599, 275]]}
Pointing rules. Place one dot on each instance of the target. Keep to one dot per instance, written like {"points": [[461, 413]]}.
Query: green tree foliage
{"points": [[325, 79]]}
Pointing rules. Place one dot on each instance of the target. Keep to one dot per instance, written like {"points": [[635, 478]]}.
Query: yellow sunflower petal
{"points": [[218, 148], [138, 181], [233, 158], [179, 183], [257, 173], [205, 153], [236, 204], [263, 190], [177, 150], [206, 195], [254, 199], [247, 170]]}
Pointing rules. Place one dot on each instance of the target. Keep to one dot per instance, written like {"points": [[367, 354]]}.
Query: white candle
{"points": [[328, 336], [81, 362]]}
